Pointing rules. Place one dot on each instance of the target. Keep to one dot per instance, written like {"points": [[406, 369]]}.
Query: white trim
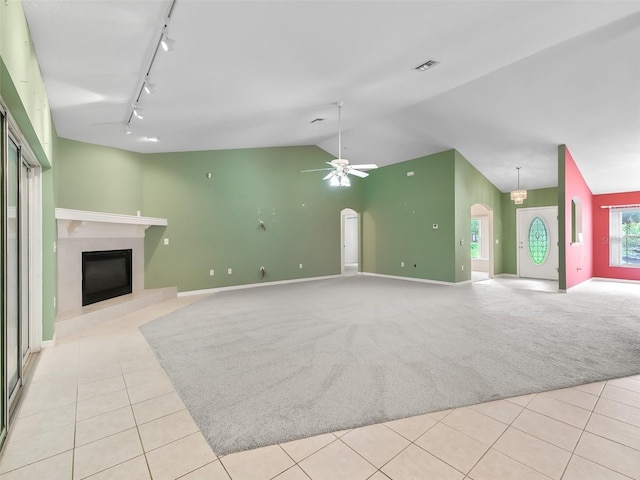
{"points": [[619, 280], [46, 344], [420, 280], [253, 285], [35, 260], [101, 217]]}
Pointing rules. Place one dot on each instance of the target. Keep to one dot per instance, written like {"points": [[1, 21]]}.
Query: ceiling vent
{"points": [[427, 65]]}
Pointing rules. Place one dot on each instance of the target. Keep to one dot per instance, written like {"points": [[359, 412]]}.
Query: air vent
{"points": [[427, 65], [316, 120]]}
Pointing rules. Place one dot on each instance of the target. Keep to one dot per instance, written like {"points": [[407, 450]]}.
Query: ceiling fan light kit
{"points": [[339, 167]]}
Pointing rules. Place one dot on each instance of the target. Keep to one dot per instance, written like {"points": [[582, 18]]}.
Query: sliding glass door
{"points": [[12, 274], [3, 363], [15, 280]]}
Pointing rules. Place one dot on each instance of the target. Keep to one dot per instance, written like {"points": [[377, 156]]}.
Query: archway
{"points": [[481, 242], [349, 241]]}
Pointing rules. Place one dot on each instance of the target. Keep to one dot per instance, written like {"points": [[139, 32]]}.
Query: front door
{"points": [[538, 242]]}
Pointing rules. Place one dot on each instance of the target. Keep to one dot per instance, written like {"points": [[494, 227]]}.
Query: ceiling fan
{"points": [[339, 167]]}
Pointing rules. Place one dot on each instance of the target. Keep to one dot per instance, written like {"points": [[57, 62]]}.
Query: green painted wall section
{"points": [[562, 215], [21, 82], [22, 91], [472, 187], [99, 179], [542, 197], [399, 213], [214, 223]]}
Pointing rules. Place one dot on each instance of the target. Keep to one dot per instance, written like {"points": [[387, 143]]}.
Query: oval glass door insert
{"points": [[538, 241]]}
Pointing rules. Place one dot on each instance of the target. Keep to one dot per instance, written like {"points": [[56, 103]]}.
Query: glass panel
{"points": [[12, 292], [24, 260], [475, 238], [630, 238], [3, 262], [538, 241]]}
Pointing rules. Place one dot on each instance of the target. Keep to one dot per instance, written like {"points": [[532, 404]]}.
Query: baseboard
{"points": [[252, 285], [506, 275], [420, 280], [617, 280], [48, 343]]}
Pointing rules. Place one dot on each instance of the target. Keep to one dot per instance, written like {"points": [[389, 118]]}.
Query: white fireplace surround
{"points": [[83, 231]]}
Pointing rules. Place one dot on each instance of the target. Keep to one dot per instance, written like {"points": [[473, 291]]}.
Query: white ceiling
{"points": [[516, 79]]}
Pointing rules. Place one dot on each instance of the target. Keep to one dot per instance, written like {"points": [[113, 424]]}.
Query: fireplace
{"points": [[106, 274]]}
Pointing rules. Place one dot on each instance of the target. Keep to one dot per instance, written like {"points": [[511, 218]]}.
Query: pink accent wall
{"points": [[579, 256], [601, 266]]}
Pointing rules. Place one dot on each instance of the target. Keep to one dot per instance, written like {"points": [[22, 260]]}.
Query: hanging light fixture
{"points": [[518, 196]]}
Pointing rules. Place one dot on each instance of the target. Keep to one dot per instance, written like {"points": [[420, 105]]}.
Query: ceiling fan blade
{"points": [[358, 173], [315, 170], [328, 175], [366, 166]]}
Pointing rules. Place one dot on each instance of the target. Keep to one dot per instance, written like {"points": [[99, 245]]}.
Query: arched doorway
{"points": [[349, 241], [481, 242]]}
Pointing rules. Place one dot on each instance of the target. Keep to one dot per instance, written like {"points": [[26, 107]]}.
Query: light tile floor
{"points": [[100, 407]]}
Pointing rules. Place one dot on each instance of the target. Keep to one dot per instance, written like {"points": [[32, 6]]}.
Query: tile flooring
{"points": [[100, 407]]}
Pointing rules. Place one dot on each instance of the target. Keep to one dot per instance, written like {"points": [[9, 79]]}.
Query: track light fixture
{"points": [[167, 43], [148, 86], [138, 112]]}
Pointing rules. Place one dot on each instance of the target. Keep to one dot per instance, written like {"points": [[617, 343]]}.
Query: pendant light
{"points": [[518, 196]]}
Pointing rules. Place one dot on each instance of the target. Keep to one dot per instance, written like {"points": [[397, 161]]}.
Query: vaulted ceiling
{"points": [[514, 80]]}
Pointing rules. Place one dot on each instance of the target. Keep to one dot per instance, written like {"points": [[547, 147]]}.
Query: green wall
{"points": [[99, 179], [214, 223], [399, 213], [542, 197], [22, 91], [472, 187]]}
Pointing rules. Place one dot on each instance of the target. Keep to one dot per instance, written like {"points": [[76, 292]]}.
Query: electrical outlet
{"points": [[211, 272], [166, 241], [300, 266], [229, 271], [402, 264], [462, 267]]}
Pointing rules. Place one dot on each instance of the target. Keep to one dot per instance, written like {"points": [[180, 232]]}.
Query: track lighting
{"points": [[148, 86], [138, 112], [167, 43], [127, 129]]}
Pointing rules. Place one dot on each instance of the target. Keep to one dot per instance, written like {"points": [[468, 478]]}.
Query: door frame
{"points": [[344, 213]]}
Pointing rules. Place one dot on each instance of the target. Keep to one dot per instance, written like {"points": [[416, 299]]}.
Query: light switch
{"points": [[166, 241]]}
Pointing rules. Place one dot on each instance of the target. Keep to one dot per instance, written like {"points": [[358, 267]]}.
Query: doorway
{"points": [[481, 242], [537, 242], [349, 241]]}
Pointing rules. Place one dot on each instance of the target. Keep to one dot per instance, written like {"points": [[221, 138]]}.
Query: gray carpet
{"points": [[267, 365]]}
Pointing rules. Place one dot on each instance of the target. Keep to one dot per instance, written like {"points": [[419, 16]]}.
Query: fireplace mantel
{"points": [[83, 231], [85, 224]]}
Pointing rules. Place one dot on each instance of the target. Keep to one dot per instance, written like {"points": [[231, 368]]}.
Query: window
{"points": [[480, 238], [624, 237], [538, 241], [475, 238]]}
